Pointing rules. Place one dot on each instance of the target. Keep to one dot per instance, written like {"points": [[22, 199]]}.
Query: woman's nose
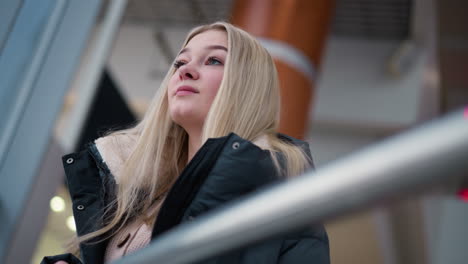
{"points": [[188, 72]]}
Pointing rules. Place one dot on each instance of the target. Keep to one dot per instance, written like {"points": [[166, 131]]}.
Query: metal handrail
{"points": [[100, 50], [25, 88], [433, 154]]}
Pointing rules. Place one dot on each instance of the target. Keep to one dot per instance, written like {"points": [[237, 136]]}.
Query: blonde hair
{"points": [[247, 103]]}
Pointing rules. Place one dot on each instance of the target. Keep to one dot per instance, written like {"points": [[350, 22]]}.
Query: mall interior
{"points": [[362, 81]]}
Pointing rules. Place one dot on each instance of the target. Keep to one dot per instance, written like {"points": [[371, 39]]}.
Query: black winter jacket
{"points": [[222, 170]]}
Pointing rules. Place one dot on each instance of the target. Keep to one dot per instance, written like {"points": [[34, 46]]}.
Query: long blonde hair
{"points": [[247, 103]]}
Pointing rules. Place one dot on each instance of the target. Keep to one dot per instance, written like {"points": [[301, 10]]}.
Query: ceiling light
{"points": [[71, 223], [57, 204]]}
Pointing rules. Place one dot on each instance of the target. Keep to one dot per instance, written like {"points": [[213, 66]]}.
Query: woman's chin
{"points": [[186, 118]]}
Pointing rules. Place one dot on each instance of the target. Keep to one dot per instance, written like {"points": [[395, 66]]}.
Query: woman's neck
{"points": [[194, 143]]}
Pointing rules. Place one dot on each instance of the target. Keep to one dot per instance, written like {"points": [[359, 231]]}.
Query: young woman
{"points": [[209, 136]]}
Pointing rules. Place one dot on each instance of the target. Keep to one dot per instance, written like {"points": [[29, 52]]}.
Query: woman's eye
{"points": [[214, 61], [178, 64]]}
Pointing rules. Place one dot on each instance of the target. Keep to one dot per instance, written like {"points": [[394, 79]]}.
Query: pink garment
{"points": [[132, 237]]}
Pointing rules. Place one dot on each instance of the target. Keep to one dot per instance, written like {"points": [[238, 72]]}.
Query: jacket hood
{"points": [[114, 150]]}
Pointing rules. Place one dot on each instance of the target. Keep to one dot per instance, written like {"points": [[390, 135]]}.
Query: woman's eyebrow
{"points": [[210, 47]]}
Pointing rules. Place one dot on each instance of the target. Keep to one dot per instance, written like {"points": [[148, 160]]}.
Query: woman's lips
{"points": [[186, 90]]}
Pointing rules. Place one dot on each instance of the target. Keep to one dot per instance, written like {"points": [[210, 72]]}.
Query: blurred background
{"points": [[353, 72]]}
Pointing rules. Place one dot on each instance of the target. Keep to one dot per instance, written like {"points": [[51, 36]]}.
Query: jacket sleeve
{"points": [[69, 258], [310, 247]]}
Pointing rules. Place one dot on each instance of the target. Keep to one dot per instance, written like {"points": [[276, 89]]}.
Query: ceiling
{"points": [[357, 19], [170, 13], [383, 19]]}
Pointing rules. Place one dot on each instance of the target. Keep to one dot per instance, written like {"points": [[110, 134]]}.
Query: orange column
{"points": [[294, 31]]}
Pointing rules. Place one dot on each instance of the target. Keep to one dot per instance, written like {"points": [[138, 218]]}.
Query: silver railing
{"points": [[99, 52], [434, 154], [26, 86]]}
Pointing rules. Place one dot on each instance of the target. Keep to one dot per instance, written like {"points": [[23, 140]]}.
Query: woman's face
{"points": [[198, 75]]}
